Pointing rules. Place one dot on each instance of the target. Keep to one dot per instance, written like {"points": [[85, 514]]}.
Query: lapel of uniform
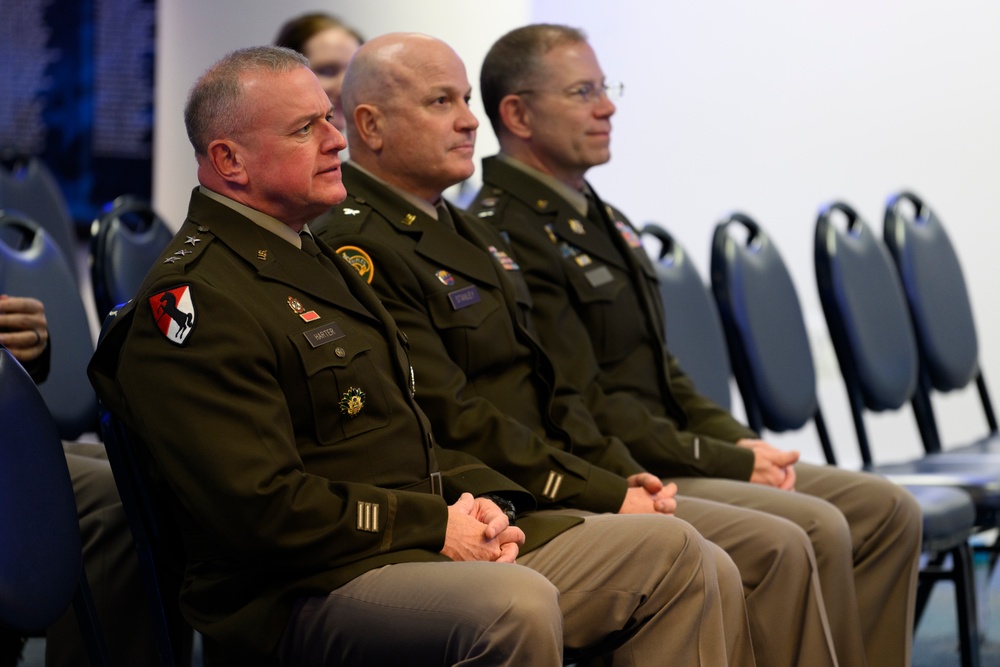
{"points": [[551, 208], [435, 242], [274, 258], [484, 238], [638, 265]]}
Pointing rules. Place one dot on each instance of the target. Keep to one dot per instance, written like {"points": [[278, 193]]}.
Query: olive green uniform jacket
{"points": [[590, 280], [481, 378], [280, 428]]}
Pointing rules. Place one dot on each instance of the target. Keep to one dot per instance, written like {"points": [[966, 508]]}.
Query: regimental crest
{"points": [[352, 402], [360, 260], [173, 313]]}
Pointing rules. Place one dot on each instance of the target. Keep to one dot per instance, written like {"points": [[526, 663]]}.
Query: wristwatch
{"points": [[506, 506]]}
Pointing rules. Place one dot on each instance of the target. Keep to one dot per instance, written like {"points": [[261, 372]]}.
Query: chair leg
{"points": [[928, 576], [90, 625], [965, 599]]}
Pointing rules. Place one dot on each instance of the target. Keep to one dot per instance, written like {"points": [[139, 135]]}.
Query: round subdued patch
{"points": [[360, 260]]}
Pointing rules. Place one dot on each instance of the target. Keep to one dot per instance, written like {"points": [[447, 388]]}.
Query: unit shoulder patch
{"points": [[360, 260], [173, 313]]}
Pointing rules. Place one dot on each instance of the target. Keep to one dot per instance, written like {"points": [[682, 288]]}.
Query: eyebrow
{"points": [[308, 118]]}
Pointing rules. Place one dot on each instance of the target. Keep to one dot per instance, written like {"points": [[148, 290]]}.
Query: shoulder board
{"points": [[186, 245], [348, 216]]}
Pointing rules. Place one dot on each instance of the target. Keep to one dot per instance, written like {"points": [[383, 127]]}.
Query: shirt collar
{"points": [[424, 205], [263, 220], [575, 198]]}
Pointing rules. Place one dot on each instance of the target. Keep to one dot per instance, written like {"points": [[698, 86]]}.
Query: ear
{"points": [[369, 123], [224, 156], [515, 116]]}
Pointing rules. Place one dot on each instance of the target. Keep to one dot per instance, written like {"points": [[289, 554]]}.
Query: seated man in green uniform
{"points": [[271, 398], [482, 379], [597, 303]]}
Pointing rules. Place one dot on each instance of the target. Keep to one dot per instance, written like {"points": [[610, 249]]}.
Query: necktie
{"points": [[310, 246], [444, 216]]}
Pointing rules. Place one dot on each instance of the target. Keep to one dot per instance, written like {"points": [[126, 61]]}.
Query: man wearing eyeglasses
{"points": [[593, 290]]}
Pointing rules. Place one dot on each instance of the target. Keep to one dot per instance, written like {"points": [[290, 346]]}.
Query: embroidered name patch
{"points": [[465, 297], [323, 335], [599, 276]]}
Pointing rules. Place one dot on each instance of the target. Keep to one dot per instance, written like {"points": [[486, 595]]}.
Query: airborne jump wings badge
{"points": [[173, 313]]}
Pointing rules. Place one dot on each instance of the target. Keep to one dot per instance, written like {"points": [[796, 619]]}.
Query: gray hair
{"points": [[217, 107]]}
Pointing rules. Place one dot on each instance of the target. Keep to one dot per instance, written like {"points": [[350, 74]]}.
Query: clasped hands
{"points": [[23, 327], [479, 530], [771, 466]]}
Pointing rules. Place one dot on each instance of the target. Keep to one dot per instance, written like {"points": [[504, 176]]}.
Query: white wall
{"points": [[771, 108], [193, 34]]}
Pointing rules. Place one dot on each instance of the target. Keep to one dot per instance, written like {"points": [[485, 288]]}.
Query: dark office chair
{"points": [[774, 369], [125, 241], [29, 188], [41, 559], [694, 332], [156, 537], [941, 313], [32, 265]]}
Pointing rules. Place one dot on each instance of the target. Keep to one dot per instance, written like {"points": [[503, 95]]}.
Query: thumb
{"points": [[788, 458]]}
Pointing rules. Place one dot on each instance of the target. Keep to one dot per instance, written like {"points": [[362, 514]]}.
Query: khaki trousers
{"points": [[644, 589], [865, 536]]}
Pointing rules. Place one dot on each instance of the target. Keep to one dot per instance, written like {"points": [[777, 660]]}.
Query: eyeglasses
{"points": [[587, 93]]}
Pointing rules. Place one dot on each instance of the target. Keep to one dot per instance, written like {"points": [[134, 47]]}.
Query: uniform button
{"points": [[340, 352]]}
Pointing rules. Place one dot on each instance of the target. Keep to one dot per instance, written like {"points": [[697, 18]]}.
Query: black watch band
{"points": [[506, 506]]}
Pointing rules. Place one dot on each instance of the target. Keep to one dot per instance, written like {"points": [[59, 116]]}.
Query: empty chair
{"points": [[694, 332], [938, 301], [125, 241], [872, 335], [32, 265], [30, 189], [773, 364], [41, 559]]}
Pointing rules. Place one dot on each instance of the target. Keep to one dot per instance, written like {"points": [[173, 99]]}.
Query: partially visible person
{"points": [[108, 552], [597, 302], [328, 43], [272, 396]]}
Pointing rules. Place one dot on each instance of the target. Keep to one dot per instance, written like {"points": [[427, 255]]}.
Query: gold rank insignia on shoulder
{"points": [[352, 402], [409, 219], [360, 260], [262, 255], [367, 517], [576, 226], [542, 203]]}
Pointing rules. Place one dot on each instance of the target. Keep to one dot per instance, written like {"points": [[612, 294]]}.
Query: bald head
{"points": [[405, 97]]}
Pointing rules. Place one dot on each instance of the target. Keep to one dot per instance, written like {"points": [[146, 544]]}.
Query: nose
{"points": [[604, 108], [468, 121], [335, 140]]}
